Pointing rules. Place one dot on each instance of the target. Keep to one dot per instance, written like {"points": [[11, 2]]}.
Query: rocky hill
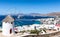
{"points": [[53, 14]]}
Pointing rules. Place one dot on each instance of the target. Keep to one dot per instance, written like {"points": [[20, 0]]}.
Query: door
{"points": [[10, 31]]}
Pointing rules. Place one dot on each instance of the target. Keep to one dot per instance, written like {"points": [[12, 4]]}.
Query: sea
{"points": [[24, 20]]}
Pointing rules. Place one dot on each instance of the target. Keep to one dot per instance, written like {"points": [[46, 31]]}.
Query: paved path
{"points": [[10, 36]]}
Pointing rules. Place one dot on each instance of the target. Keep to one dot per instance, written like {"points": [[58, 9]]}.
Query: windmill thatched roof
{"points": [[8, 19]]}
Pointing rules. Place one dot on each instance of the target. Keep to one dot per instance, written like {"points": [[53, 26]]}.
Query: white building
{"points": [[8, 26]]}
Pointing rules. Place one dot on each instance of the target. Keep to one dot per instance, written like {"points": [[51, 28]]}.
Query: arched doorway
{"points": [[10, 31]]}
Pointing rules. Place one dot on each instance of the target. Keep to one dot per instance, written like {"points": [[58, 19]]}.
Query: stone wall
{"points": [[44, 35]]}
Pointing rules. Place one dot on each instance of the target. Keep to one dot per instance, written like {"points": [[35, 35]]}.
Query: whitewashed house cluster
{"points": [[47, 20]]}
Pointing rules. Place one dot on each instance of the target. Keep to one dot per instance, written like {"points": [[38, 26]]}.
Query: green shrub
{"points": [[44, 30], [22, 31], [34, 31]]}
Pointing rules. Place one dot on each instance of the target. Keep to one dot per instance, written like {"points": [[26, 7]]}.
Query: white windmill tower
{"points": [[8, 26]]}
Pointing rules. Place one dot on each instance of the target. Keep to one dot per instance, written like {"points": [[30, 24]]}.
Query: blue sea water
{"points": [[24, 20]]}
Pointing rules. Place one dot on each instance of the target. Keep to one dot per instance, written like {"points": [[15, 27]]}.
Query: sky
{"points": [[29, 6]]}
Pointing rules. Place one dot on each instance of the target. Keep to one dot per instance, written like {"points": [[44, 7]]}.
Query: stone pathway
{"points": [[10, 36]]}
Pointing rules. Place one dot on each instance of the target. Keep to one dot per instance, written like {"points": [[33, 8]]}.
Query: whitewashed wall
{"points": [[6, 28]]}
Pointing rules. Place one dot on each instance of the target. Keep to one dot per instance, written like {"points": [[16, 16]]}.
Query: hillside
{"points": [[53, 14]]}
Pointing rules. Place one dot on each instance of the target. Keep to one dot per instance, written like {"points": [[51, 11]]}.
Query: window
{"points": [[6, 21], [11, 22]]}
